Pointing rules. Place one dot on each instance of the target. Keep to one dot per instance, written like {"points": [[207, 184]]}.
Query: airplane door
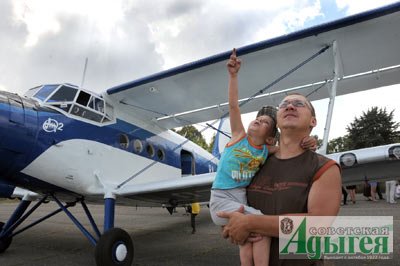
{"points": [[187, 163], [18, 125], [19, 135], [17, 112]]}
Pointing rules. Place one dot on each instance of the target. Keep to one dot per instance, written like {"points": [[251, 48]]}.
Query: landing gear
{"points": [[114, 247], [5, 241]]}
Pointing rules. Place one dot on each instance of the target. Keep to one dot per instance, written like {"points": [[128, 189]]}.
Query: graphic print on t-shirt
{"points": [[246, 165]]}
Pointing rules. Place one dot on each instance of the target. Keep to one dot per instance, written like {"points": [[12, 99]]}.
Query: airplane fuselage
{"points": [[46, 149]]}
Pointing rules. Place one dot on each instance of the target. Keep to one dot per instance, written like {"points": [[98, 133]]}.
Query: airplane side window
{"points": [[99, 105], [86, 113], [63, 94], [137, 146], [75, 110], [160, 154], [124, 141], [150, 150], [93, 116]]}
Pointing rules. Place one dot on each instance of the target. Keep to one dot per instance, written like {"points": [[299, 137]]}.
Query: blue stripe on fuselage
{"points": [[110, 135]]}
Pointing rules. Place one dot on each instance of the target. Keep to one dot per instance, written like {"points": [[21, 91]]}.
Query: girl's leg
{"points": [[261, 251], [246, 254]]}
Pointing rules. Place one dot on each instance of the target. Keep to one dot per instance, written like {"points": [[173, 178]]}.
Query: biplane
{"points": [[64, 143]]}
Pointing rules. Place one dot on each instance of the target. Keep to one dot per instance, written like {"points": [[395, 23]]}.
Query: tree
{"points": [[338, 144], [191, 133], [211, 145], [319, 141], [374, 127]]}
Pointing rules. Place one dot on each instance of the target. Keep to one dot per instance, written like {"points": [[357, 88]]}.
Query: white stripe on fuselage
{"points": [[74, 165]]}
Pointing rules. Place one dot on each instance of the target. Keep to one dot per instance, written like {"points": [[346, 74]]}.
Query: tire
{"points": [[5, 242], [115, 247]]}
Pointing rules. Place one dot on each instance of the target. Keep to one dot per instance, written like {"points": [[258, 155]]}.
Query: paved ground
{"points": [[159, 238]]}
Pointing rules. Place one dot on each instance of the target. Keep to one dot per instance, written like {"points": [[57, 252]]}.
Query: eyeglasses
{"points": [[295, 103]]}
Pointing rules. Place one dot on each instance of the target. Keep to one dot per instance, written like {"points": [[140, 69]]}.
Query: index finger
{"points": [[233, 55]]}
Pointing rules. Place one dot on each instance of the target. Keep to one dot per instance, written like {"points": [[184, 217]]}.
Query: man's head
{"points": [[296, 111]]}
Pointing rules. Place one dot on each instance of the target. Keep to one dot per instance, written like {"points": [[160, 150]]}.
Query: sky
{"points": [[48, 41]]}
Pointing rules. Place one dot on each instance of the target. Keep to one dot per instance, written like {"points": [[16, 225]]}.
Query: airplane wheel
{"points": [[5, 242], [115, 247]]}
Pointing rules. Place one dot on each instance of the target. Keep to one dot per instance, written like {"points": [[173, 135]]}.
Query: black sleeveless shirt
{"points": [[282, 186]]}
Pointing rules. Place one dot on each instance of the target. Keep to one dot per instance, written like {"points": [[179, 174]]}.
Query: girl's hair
{"points": [[271, 112]]}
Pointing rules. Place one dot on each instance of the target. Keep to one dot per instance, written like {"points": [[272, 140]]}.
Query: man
{"points": [[292, 181]]}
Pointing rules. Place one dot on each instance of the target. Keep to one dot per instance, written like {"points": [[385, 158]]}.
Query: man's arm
{"points": [[323, 200], [325, 193]]}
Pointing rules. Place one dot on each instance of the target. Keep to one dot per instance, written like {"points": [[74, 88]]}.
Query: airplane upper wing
{"points": [[367, 44]]}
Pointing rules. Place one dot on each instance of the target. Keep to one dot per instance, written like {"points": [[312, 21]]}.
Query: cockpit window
{"points": [[83, 98], [75, 101], [32, 91], [96, 104], [63, 94], [45, 91]]}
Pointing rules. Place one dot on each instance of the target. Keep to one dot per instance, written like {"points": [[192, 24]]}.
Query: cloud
{"points": [[352, 6], [47, 41], [209, 27], [117, 52]]}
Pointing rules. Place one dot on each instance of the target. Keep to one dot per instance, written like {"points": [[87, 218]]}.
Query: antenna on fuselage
{"points": [[84, 72]]}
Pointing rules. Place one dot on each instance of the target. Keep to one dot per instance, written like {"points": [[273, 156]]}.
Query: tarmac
{"points": [[159, 238]]}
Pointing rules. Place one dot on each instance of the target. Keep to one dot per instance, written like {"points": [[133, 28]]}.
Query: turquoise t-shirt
{"points": [[239, 163]]}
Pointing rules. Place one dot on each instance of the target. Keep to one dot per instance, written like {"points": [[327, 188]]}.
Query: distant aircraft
{"points": [[66, 144]]}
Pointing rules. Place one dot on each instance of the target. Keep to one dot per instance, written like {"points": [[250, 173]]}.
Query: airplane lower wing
{"points": [[179, 191], [377, 163], [10, 191], [357, 165]]}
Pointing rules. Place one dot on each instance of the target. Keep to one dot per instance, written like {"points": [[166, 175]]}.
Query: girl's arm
{"points": [[272, 149], [309, 143], [237, 127]]}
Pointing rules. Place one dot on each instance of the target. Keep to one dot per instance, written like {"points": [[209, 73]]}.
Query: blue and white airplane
{"points": [[66, 144]]}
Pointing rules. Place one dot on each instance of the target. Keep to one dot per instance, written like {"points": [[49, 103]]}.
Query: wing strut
{"points": [[332, 95]]}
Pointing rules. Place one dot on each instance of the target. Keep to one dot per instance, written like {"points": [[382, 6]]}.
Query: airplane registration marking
{"points": [[52, 125]]}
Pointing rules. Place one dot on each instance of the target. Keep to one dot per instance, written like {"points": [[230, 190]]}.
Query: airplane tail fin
{"points": [[222, 137]]}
